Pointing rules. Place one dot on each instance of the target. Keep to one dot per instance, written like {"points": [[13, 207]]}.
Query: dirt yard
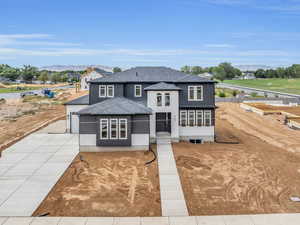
{"points": [[106, 184], [253, 176], [18, 116]]}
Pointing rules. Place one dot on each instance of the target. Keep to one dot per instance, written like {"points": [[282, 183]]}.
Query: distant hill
{"points": [[59, 68], [244, 68]]}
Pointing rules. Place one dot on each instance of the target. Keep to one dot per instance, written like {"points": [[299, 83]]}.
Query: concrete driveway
{"points": [[30, 168]]}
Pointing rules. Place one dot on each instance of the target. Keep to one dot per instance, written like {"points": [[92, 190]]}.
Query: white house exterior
{"points": [[92, 73]]}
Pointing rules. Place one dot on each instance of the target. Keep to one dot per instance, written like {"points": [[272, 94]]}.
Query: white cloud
{"points": [[218, 46]]}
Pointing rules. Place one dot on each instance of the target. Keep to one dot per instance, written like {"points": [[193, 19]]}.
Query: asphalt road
{"points": [[17, 95]]}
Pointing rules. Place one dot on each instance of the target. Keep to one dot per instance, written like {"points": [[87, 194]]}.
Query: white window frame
{"points": [[111, 129], [120, 130], [107, 135], [210, 119], [195, 93], [182, 112], [167, 94], [197, 118], [136, 87], [194, 121], [161, 102], [113, 91], [102, 86]]}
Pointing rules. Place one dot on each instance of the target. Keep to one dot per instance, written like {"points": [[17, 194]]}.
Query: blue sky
{"points": [[149, 32]]}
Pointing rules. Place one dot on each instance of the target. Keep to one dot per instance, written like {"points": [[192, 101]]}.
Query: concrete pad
{"points": [[4, 168], [238, 220], [51, 169], [56, 127], [267, 219], [12, 158], [72, 221], [100, 221], [154, 221], [2, 220], [48, 148], [174, 207], [18, 221], [290, 219], [171, 195], [38, 157], [45, 221], [186, 220], [23, 169], [127, 221], [211, 220]]}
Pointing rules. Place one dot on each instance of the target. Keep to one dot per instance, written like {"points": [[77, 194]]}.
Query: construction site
{"points": [[252, 168]]}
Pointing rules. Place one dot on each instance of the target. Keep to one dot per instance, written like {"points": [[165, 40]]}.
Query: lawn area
{"points": [[282, 85]]}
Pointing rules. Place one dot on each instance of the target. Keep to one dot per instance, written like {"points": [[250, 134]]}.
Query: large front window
{"points": [[195, 93], [106, 91], [104, 129], [183, 118], [122, 128], [114, 129], [207, 118], [191, 118], [196, 118]]}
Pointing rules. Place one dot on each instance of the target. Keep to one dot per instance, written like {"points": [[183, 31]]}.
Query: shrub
{"points": [[234, 93], [222, 94], [253, 94]]}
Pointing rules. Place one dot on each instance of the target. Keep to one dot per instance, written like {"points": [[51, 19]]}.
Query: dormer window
{"points": [[102, 91], [110, 91], [137, 90], [195, 93]]}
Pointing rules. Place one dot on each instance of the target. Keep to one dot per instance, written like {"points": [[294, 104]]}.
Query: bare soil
{"points": [[19, 116], [106, 184], [253, 176]]}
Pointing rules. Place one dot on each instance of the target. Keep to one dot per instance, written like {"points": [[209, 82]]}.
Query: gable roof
{"points": [[151, 75], [83, 100], [162, 86], [116, 106]]}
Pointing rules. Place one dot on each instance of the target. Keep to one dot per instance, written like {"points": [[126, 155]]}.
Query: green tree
{"points": [[219, 73], [230, 71], [55, 77], [43, 76], [197, 70], [29, 72], [186, 69], [117, 69]]}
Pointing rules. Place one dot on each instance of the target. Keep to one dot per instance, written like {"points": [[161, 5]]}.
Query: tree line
{"points": [[29, 73], [225, 71], [288, 72]]}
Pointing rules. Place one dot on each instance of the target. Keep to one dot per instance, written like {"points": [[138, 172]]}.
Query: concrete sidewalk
{"points": [[30, 168], [172, 198], [270, 219]]}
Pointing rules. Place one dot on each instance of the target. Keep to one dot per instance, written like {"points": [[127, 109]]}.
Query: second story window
{"points": [[110, 91], [137, 90], [195, 93], [167, 99], [159, 99], [106, 91], [102, 91]]}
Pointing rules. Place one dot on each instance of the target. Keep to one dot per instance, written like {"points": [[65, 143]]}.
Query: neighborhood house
{"points": [[91, 74], [130, 108]]}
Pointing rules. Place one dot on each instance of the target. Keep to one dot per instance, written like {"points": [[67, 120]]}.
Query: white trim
{"points": [[102, 86], [197, 118], [120, 123], [135, 88], [209, 113], [113, 91], [195, 93], [194, 122], [110, 130], [186, 117], [106, 121]]}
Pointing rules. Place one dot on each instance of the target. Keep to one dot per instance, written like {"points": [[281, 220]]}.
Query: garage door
{"points": [[74, 123]]}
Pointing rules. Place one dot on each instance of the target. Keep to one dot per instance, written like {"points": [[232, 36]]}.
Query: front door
{"points": [[163, 122]]}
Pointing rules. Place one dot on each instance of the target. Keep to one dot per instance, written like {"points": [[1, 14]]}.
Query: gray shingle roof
{"points": [[116, 106], [162, 86], [83, 100], [150, 74]]}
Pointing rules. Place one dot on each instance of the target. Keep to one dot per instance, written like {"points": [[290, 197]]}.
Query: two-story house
{"points": [[128, 109]]}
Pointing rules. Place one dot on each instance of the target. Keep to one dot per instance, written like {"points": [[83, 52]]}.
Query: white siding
{"points": [[140, 139], [173, 109], [73, 118], [87, 139], [200, 132]]}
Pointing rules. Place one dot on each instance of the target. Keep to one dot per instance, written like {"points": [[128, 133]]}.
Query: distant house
{"points": [[247, 76], [206, 75], [4, 80], [91, 74]]}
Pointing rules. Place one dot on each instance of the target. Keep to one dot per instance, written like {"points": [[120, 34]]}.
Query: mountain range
{"points": [[59, 68]]}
